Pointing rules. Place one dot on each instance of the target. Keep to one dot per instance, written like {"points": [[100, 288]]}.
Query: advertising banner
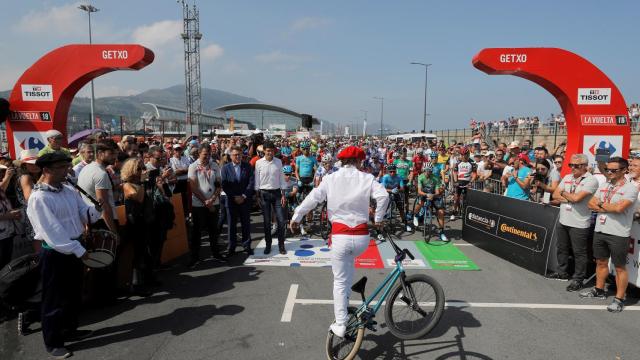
{"points": [[633, 257], [515, 230]]}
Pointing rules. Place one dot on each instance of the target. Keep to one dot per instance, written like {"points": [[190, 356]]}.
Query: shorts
{"points": [[461, 187], [616, 247], [307, 181], [436, 203]]}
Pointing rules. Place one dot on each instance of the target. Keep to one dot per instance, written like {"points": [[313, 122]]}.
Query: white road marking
{"points": [[293, 290], [463, 244], [291, 301]]}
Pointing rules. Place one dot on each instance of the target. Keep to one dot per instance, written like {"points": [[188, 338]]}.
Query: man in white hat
{"points": [[54, 139]]}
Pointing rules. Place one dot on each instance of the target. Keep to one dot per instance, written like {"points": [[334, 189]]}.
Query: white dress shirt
{"points": [[347, 193], [180, 164], [268, 175], [58, 216]]}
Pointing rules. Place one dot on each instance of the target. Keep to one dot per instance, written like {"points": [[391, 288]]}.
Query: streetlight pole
{"points": [[381, 112], [364, 125], [90, 9], [426, 78]]}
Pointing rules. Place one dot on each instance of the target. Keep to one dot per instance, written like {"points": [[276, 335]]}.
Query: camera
{"points": [[539, 177]]}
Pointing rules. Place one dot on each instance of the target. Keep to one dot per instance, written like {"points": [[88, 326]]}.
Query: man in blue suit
{"points": [[237, 183]]}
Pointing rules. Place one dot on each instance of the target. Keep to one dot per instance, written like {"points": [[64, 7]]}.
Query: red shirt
{"points": [[418, 161]]}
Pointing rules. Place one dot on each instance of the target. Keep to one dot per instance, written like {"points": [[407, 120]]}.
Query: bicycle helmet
{"points": [[396, 154], [305, 145], [287, 169], [427, 166], [327, 158], [391, 167], [463, 150]]}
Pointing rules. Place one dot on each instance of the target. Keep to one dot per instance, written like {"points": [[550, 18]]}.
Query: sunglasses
{"points": [[576, 166], [612, 171]]}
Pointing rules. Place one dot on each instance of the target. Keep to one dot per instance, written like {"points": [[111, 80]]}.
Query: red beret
{"points": [[352, 152], [523, 157]]}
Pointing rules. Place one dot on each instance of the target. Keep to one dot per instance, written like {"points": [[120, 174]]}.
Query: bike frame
{"points": [[385, 287]]}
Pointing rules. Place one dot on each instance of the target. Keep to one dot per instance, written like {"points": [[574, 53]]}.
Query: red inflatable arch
{"points": [[41, 98], [595, 112]]}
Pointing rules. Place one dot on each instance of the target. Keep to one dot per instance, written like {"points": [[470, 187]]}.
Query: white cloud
{"points": [[58, 20], [211, 52], [309, 22], [158, 34], [278, 57]]}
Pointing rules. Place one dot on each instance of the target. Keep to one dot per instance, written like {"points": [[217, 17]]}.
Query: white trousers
{"points": [[344, 250]]}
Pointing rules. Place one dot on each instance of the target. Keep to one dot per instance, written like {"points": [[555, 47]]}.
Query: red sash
{"points": [[342, 229]]}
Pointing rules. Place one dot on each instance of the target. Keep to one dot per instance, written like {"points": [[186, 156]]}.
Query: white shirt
{"points": [[58, 216], [347, 193], [180, 164], [205, 178], [268, 175]]}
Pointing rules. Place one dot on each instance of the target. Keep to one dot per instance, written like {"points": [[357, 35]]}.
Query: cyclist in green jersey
{"points": [[430, 190]]}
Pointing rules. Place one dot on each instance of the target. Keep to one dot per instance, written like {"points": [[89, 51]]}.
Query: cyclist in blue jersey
{"points": [[306, 166], [394, 185], [326, 168]]}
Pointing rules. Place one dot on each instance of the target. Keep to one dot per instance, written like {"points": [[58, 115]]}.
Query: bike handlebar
{"points": [[400, 253]]}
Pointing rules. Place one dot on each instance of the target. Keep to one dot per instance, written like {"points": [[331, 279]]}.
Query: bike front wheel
{"points": [[413, 314], [347, 347]]}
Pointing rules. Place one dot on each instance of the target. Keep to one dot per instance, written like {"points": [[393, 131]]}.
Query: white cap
{"points": [[177, 146], [52, 133]]}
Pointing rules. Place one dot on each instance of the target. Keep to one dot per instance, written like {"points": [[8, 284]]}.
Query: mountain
{"points": [[131, 106]]}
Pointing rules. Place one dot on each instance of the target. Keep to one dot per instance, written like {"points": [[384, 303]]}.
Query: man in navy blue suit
{"points": [[237, 183]]}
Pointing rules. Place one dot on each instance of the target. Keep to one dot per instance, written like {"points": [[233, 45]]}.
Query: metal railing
{"points": [[490, 185]]}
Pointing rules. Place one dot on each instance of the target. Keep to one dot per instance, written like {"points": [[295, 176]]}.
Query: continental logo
{"points": [[531, 235], [481, 219]]}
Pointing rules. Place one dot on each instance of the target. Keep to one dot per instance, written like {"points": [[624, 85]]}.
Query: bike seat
{"points": [[360, 285]]}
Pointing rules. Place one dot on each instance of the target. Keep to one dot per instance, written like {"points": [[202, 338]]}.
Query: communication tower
{"points": [[191, 36]]}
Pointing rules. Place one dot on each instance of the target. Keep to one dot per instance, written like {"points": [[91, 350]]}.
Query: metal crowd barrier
{"points": [[489, 185]]}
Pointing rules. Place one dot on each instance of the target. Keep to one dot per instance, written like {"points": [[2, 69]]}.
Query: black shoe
{"points": [[267, 250], [283, 252], [249, 251], [22, 324], [558, 276], [59, 353], [77, 335], [575, 285]]}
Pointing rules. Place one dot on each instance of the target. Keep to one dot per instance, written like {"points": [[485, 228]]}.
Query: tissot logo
{"points": [[37, 92], [594, 96]]}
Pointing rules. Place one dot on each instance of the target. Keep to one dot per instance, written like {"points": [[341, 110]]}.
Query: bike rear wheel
{"points": [[411, 316], [346, 348], [325, 226]]}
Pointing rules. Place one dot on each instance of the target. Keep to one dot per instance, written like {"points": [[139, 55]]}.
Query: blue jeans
{"points": [[273, 198]]}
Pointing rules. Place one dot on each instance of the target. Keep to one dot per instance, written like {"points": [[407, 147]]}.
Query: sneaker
{"points": [[302, 231], [558, 276], [616, 305], [338, 329], [380, 237], [22, 324], [443, 237], [575, 285], [408, 228], [59, 353], [594, 293], [415, 221], [452, 218]]}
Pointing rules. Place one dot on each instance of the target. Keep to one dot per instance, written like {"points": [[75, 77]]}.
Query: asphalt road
{"points": [[234, 312]]}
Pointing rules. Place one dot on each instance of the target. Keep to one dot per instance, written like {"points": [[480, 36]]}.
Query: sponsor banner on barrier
{"points": [[25, 140], [37, 92], [603, 120], [594, 96], [30, 116], [516, 230], [591, 144]]}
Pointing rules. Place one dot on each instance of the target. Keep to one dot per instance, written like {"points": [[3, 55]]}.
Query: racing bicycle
{"points": [[414, 306]]}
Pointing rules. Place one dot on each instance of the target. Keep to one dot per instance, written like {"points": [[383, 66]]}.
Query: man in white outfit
{"points": [[347, 193]]}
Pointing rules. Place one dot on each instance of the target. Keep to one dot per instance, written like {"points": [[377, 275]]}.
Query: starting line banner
{"points": [[315, 253]]}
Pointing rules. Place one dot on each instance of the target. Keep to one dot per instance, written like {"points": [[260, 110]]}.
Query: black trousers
{"points": [[61, 295], [6, 251], [576, 240], [271, 200], [203, 218], [237, 212]]}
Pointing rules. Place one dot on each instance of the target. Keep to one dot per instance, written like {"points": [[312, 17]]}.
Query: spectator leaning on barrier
{"points": [[614, 204], [517, 180], [574, 192]]}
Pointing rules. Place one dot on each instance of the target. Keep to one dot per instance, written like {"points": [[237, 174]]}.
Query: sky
{"points": [[331, 58]]}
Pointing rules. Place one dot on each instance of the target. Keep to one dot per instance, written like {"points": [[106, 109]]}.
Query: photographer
{"points": [[543, 181]]}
